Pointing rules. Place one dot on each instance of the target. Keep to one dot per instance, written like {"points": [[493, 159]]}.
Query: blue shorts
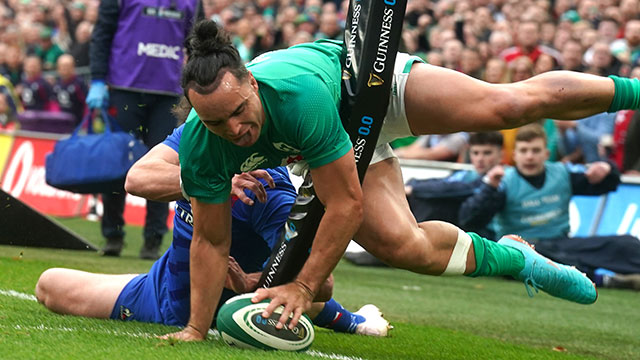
{"points": [[146, 299]]}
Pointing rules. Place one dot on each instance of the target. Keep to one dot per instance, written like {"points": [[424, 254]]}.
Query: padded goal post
{"points": [[372, 37]]}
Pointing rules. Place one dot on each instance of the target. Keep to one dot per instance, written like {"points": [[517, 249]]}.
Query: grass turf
{"points": [[435, 318]]}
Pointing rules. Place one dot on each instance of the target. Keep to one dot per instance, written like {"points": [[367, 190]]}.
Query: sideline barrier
{"points": [[22, 159], [613, 213]]}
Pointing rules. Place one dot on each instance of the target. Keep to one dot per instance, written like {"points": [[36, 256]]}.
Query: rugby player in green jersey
{"points": [[283, 107]]}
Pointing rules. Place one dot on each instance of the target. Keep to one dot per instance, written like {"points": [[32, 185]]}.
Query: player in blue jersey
{"points": [[163, 294]]}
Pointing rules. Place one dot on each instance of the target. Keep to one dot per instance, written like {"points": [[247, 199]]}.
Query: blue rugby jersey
{"points": [[255, 231]]}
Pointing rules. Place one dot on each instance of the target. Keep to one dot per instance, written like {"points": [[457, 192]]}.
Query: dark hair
{"points": [[486, 138], [531, 132], [210, 54]]}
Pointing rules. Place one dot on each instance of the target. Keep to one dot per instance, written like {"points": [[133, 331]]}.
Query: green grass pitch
{"points": [[434, 318]]}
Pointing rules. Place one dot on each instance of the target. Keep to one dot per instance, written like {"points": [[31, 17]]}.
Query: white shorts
{"points": [[395, 124]]}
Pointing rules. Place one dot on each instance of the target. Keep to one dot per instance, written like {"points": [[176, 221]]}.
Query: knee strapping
{"points": [[458, 261]]}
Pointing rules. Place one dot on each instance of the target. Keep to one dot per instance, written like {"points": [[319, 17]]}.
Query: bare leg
{"points": [[315, 309], [74, 292], [390, 232], [439, 100]]}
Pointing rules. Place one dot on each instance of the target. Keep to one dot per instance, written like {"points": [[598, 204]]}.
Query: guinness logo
{"points": [[374, 80]]}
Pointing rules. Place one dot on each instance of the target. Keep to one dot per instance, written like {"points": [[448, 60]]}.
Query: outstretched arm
{"points": [[156, 176], [338, 188], [209, 254]]}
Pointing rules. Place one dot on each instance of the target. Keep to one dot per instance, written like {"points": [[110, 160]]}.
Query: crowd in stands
{"points": [[494, 40], [498, 41]]}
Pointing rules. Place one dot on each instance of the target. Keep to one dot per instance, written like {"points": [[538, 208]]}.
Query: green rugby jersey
{"points": [[300, 91]]}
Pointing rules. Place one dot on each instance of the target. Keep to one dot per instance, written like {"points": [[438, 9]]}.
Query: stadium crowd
{"points": [[494, 40]]}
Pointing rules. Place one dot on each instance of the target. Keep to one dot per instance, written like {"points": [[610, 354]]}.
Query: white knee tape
{"points": [[458, 261]]}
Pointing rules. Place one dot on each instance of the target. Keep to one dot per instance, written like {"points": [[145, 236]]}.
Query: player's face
{"points": [[484, 157], [233, 110], [530, 156]]}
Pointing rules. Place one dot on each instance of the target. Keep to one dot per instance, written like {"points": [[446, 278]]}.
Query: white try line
{"points": [[18, 295], [214, 333]]}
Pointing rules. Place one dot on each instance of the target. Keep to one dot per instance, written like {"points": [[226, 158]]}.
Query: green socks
{"points": [[493, 259], [627, 94]]}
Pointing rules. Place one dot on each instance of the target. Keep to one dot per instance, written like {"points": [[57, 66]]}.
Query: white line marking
{"points": [[18, 295], [332, 356], [211, 332]]}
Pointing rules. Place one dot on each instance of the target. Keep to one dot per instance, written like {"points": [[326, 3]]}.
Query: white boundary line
{"points": [[214, 333], [18, 295]]}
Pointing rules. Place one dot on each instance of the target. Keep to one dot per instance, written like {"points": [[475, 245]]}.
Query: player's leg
{"points": [[440, 100], [368, 320], [75, 292], [158, 122], [390, 232]]}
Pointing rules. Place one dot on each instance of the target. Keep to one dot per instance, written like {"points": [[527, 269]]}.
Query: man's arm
{"points": [[338, 188], [101, 38], [156, 176], [599, 178], [477, 211], [209, 254]]}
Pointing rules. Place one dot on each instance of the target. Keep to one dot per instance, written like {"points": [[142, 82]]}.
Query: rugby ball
{"points": [[241, 324]]}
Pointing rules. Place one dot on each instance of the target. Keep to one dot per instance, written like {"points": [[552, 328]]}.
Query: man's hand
{"points": [[189, 333], [238, 281], [98, 96], [250, 181], [494, 176], [296, 297], [597, 171]]}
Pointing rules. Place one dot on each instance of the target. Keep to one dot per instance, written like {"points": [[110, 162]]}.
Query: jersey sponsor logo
{"points": [[285, 148], [159, 51], [252, 162], [374, 80], [383, 43]]}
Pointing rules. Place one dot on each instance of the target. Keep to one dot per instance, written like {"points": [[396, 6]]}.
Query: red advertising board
{"points": [[24, 178]]}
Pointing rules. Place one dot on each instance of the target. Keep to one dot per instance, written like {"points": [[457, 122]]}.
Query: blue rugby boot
{"points": [[558, 280]]}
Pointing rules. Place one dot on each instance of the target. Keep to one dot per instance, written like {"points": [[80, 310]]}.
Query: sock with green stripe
{"points": [[493, 259], [627, 94]]}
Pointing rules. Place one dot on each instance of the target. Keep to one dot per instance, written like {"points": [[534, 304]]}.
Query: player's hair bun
{"points": [[206, 39]]}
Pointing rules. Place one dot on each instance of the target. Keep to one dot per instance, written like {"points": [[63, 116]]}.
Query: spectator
{"points": [[532, 200], [441, 199], [9, 103], [435, 58], [528, 43], [449, 147], [140, 98], [627, 50], [329, 27], [80, 48], [602, 62], [521, 69], [471, 63], [571, 56], [496, 71], [13, 69], [452, 54], [47, 50], [498, 42], [70, 91], [35, 91], [545, 63]]}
